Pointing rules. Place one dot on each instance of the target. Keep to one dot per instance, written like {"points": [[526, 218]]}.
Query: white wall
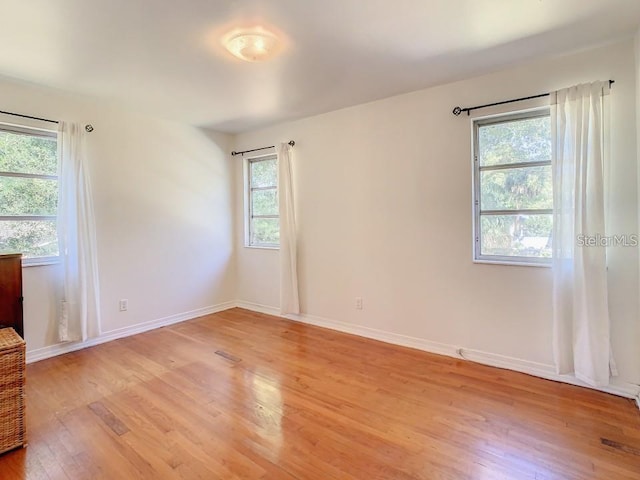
{"points": [[384, 211], [163, 203]]}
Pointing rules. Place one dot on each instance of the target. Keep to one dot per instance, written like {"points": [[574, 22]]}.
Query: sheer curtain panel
{"points": [[581, 329], [289, 302], [80, 309]]}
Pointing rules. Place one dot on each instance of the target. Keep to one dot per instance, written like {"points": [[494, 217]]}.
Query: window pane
{"points": [[264, 202], [27, 154], [32, 238], [28, 196], [527, 140], [264, 173], [265, 231], [516, 189], [516, 235]]}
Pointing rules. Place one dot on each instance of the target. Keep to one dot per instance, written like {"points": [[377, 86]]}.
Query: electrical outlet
{"points": [[124, 305], [358, 303]]}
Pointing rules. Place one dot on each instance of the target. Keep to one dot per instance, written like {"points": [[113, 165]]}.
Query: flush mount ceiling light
{"points": [[252, 45]]}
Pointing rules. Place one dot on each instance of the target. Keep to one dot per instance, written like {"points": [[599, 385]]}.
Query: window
{"points": [[28, 192], [513, 190], [262, 219]]}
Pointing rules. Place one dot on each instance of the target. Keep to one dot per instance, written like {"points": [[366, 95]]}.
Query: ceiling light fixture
{"points": [[252, 45]]}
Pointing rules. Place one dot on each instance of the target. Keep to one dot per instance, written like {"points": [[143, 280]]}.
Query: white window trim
{"points": [[35, 131], [475, 200], [247, 202]]}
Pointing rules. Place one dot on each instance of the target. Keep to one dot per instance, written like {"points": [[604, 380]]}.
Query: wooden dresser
{"points": [[11, 292]]}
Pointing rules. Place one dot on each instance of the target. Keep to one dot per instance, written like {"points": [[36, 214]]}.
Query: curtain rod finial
{"points": [[292, 143], [457, 111], [88, 128]]}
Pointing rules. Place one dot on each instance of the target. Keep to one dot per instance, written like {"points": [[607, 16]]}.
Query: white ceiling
{"points": [[164, 56]]}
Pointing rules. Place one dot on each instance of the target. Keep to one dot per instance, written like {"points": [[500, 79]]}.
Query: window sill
{"points": [[514, 263], [262, 247], [40, 263]]}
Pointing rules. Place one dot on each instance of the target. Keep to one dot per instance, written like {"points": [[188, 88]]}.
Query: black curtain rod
{"points": [[29, 116], [457, 111], [234, 153]]}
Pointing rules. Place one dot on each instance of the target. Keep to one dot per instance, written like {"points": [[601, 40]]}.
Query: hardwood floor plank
{"points": [[241, 395], [113, 422]]}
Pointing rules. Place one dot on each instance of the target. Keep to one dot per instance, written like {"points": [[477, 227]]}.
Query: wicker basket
{"points": [[12, 378]]}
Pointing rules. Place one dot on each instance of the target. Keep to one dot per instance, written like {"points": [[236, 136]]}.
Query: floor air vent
{"points": [[228, 356]]}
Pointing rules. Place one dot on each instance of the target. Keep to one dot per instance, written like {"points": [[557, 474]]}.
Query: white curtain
{"points": [[289, 302], [580, 308], [80, 309]]}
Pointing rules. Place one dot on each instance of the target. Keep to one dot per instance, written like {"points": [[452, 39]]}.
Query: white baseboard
{"points": [[256, 307], [541, 370], [61, 348]]}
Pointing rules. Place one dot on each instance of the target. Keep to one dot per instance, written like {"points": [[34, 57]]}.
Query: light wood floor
{"points": [[239, 395]]}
